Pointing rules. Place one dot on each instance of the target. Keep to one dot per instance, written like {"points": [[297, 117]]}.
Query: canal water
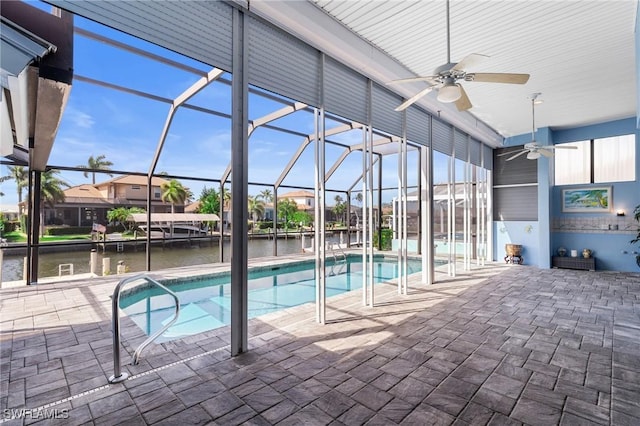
{"points": [[135, 258]]}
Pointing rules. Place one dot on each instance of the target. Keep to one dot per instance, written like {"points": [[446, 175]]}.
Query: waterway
{"points": [[135, 257]]}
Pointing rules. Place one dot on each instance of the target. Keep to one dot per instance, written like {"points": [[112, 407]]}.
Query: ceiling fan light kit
{"points": [[533, 155], [449, 93], [445, 77]]}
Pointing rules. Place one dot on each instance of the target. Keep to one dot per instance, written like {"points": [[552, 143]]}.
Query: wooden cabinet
{"points": [[588, 264]]}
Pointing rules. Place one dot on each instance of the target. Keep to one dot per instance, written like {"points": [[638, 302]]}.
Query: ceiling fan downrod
{"points": [[534, 96], [448, 36]]}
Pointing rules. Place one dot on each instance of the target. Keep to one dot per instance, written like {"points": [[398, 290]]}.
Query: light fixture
{"points": [[620, 212], [450, 92], [533, 155]]}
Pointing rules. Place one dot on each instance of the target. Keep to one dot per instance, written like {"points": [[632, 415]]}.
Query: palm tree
{"points": [[266, 195], [286, 208], [121, 215], [226, 197], [340, 207], [51, 193], [256, 208], [173, 192], [93, 164], [358, 199], [19, 174]]}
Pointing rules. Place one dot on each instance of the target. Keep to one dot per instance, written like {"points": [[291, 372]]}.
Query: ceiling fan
{"points": [[533, 149], [445, 78]]}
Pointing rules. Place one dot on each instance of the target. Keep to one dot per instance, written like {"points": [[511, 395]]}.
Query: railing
{"points": [[118, 375], [332, 246]]}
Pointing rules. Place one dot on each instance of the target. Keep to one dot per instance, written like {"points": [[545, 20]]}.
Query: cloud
{"points": [[79, 118]]}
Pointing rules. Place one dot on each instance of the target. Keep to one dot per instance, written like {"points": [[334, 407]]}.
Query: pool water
{"points": [[205, 304]]}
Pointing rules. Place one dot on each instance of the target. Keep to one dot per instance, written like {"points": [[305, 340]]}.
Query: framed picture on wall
{"points": [[587, 200]]}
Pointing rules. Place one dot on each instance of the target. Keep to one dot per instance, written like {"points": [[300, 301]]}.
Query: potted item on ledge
{"points": [[514, 254], [586, 253], [636, 215], [562, 252]]}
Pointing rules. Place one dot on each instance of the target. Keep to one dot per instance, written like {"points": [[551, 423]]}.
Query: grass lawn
{"points": [[20, 237]]}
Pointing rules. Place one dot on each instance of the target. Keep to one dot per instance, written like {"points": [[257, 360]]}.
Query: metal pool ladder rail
{"points": [[118, 375]]}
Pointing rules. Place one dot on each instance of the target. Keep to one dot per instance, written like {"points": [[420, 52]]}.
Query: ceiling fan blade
{"points": [[463, 103], [544, 152], [413, 99], [510, 152], [563, 147], [430, 78], [517, 155], [492, 77], [469, 60]]}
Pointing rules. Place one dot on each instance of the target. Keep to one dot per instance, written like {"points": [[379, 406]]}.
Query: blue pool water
{"points": [[205, 303]]}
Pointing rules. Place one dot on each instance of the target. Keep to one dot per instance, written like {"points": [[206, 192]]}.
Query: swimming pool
{"points": [[205, 303]]}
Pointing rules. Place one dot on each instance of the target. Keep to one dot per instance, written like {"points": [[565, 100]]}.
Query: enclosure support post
{"points": [[452, 208], [403, 186], [320, 219], [275, 220], [34, 231], [348, 219], [379, 215], [239, 186], [221, 209], [426, 218], [365, 218]]}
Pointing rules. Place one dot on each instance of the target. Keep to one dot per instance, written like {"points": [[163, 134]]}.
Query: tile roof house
{"points": [[88, 203]]}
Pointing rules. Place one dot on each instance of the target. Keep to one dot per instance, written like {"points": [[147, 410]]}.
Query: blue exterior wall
{"points": [[525, 233], [534, 236], [612, 250], [609, 247]]}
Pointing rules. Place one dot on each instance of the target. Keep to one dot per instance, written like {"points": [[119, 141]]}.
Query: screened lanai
{"points": [[264, 125], [273, 121]]}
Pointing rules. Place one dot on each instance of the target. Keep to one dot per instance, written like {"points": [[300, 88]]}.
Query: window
{"points": [[596, 161], [573, 165], [614, 159], [156, 193], [135, 186]]}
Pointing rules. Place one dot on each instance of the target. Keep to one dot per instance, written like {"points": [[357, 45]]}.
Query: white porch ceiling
{"points": [[580, 54]]}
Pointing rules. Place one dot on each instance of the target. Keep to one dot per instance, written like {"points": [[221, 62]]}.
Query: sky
{"points": [[126, 128]]}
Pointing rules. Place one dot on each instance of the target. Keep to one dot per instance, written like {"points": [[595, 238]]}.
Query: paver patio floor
{"points": [[497, 345]]}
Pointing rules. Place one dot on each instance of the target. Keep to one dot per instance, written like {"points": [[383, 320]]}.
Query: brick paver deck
{"points": [[499, 345]]}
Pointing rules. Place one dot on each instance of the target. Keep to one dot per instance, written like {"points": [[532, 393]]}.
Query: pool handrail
{"points": [[118, 375]]}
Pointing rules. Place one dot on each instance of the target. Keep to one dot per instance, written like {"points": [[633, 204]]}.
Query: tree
{"points": [[209, 201], [19, 174], [358, 198], [226, 196], [121, 215], [340, 207], [266, 195], [93, 164], [301, 217], [173, 192], [256, 208], [51, 192], [286, 208]]}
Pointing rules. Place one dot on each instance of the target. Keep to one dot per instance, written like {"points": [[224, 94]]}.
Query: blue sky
{"points": [[126, 128]]}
